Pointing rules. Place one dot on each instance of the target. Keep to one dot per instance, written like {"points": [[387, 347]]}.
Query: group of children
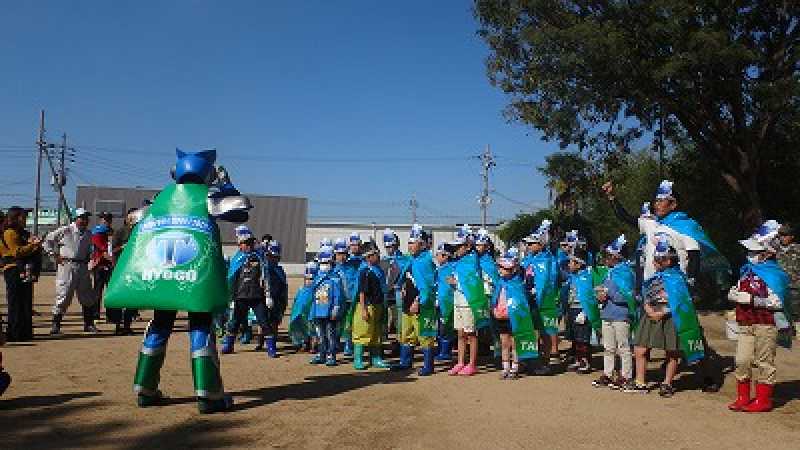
{"points": [[461, 291]]}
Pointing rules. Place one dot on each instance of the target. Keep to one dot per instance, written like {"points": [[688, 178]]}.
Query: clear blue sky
{"points": [[317, 99]]}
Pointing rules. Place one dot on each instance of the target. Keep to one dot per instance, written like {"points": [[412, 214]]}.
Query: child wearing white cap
{"points": [[760, 297]]}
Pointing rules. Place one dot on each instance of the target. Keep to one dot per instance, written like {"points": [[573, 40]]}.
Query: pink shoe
{"points": [[468, 370], [456, 369]]}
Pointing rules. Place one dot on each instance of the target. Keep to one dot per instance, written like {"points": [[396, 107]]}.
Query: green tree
{"points": [[599, 74]]}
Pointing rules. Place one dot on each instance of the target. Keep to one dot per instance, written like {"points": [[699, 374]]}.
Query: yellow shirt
{"points": [[13, 248]]}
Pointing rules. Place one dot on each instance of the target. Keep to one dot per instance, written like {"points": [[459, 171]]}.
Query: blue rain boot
{"points": [[272, 346], [319, 358], [227, 344], [377, 358], [427, 358], [445, 350], [406, 354], [348, 347], [358, 357]]}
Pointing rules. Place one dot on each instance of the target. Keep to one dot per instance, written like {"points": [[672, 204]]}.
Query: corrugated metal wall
{"points": [[283, 217]]}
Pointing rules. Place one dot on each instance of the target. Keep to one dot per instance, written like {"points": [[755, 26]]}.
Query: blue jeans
{"points": [[328, 331]]}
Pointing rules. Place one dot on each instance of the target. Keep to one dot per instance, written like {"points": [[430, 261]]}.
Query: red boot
{"points": [[743, 398], [763, 401]]}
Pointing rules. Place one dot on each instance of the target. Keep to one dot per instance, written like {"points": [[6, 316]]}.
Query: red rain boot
{"points": [[763, 401], [743, 398]]}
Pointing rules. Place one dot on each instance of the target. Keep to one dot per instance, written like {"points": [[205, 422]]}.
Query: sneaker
{"points": [[317, 359], [504, 375], [584, 368], [602, 382], [574, 366], [636, 388], [331, 362], [456, 369], [666, 390], [543, 370], [513, 375], [90, 329], [619, 383], [710, 386], [468, 371]]}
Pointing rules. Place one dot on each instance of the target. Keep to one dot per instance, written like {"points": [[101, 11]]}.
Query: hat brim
{"points": [[752, 245]]}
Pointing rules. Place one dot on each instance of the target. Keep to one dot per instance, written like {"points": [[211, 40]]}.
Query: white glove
{"points": [[270, 302], [533, 291], [737, 296], [334, 312], [767, 302], [581, 318]]}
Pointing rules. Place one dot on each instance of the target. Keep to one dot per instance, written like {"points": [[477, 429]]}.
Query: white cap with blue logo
{"points": [[417, 234], [764, 238], [462, 235], [325, 255], [340, 246], [541, 235], [573, 239], [354, 238], [663, 247], [325, 242], [243, 233], [509, 258], [664, 190], [443, 249], [615, 246], [390, 238], [482, 237], [310, 269], [274, 248]]}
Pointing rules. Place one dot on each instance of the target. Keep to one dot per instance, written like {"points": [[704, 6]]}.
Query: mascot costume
{"points": [[173, 262]]}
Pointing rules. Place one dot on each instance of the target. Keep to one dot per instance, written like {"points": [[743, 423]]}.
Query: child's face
{"points": [[308, 281], [373, 258], [441, 258], [481, 248], [341, 257], [662, 263], [414, 247], [574, 266], [246, 246], [355, 249], [506, 272]]}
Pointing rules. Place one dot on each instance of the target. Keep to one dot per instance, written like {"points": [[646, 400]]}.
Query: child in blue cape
{"points": [[445, 268], [247, 281], [541, 281], [615, 295], [512, 317], [667, 308], [761, 309], [368, 314], [299, 325], [277, 296], [327, 308], [582, 315]]}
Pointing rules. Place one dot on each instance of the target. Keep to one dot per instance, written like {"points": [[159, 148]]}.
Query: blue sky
{"points": [[355, 105]]}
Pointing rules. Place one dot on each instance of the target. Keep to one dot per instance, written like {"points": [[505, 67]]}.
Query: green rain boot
{"points": [[208, 387], [377, 358], [358, 357], [148, 368]]}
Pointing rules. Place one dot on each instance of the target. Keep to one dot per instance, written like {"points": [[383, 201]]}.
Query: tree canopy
{"points": [[599, 75]]}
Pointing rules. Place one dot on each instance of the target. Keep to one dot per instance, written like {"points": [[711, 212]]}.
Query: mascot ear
{"points": [[208, 155], [179, 153]]}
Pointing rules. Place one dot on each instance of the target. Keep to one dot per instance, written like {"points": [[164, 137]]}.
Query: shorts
{"points": [[463, 320], [502, 326], [657, 334]]}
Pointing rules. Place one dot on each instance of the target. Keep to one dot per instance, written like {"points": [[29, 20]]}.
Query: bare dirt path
{"points": [[75, 392]]}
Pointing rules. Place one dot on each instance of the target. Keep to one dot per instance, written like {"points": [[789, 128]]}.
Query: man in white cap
{"points": [[70, 246]]}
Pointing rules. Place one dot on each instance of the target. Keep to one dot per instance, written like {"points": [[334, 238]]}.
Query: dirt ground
{"points": [[74, 391]]}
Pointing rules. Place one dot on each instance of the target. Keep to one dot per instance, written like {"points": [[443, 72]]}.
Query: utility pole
{"points": [[60, 179], [487, 162], [40, 149], [413, 204]]}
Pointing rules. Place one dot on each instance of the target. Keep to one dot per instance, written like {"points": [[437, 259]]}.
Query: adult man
{"points": [[789, 259], [122, 317], [70, 246]]}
